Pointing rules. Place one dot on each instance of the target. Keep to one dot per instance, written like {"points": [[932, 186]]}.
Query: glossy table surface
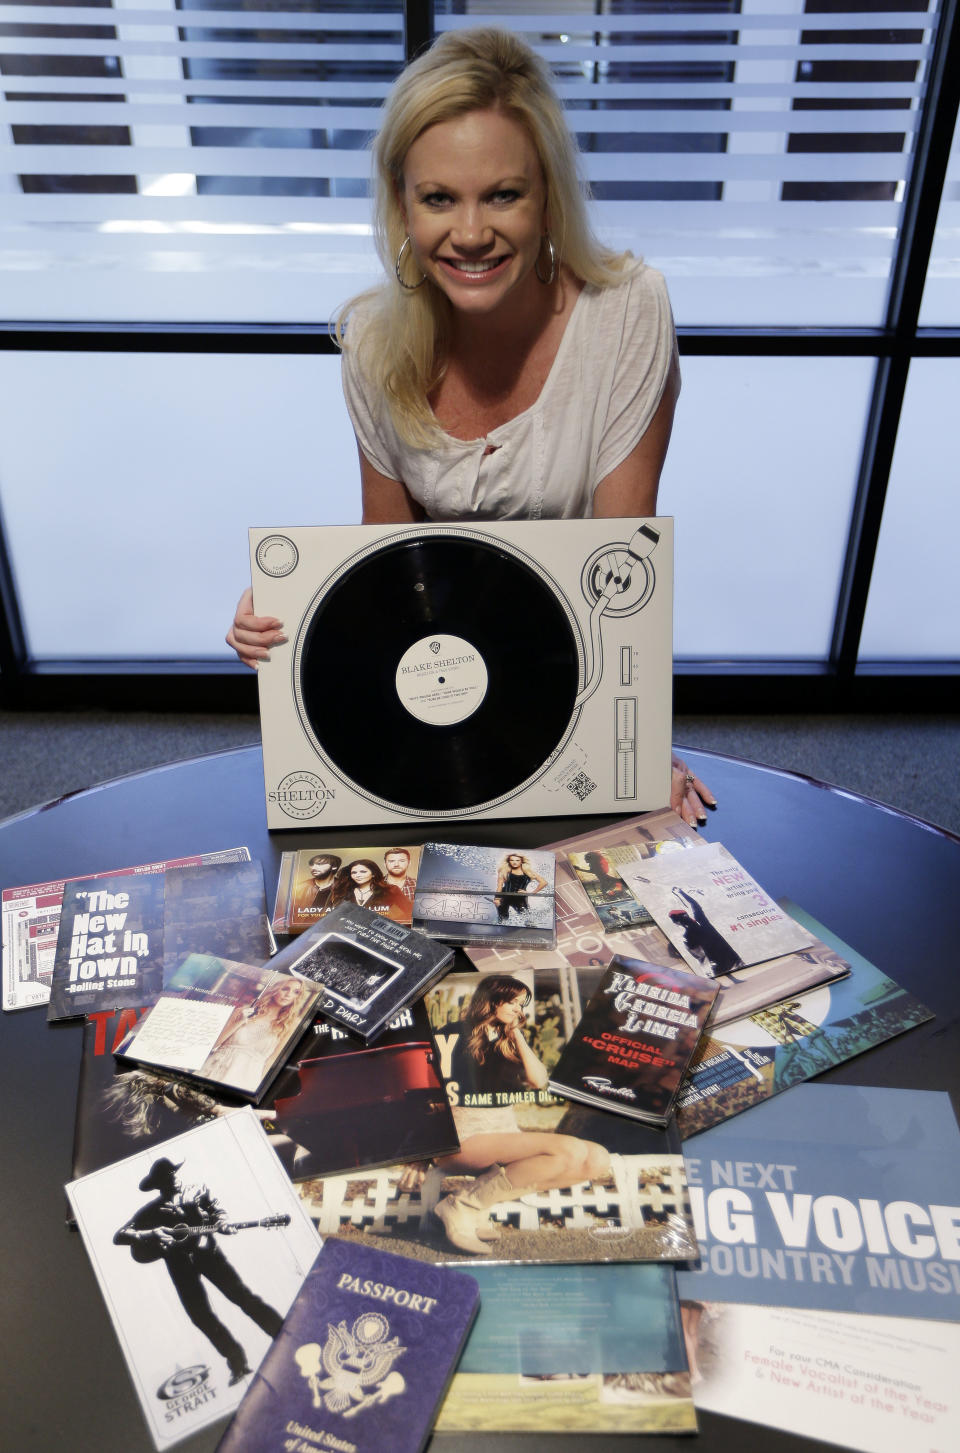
{"points": [[886, 883]]}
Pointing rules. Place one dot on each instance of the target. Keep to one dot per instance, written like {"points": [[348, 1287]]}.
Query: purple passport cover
{"points": [[363, 1359]]}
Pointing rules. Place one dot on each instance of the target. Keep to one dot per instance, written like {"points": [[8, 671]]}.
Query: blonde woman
{"points": [[515, 879], [509, 366], [252, 1036]]}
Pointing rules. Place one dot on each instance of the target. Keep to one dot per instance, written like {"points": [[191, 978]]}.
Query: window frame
{"points": [[840, 682]]}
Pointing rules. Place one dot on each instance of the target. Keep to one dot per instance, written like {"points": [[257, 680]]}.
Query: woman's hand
{"points": [[250, 635], [688, 795]]}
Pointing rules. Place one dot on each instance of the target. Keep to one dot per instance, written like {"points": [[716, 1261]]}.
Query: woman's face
{"points": [[510, 1012], [361, 874], [514, 861], [474, 203], [286, 995]]}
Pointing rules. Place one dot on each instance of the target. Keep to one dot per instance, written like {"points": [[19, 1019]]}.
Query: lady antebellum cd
{"points": [[497, 670]]}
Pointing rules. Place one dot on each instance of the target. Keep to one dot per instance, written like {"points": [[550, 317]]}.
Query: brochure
{"points": [[31, 917], [712, 911], [828, 1295]]}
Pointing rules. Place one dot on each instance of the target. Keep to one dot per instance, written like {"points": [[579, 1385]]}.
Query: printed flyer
{"points": [[828, 1296]]}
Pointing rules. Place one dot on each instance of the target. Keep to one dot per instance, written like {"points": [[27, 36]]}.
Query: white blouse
{"points": [[597, 402]]}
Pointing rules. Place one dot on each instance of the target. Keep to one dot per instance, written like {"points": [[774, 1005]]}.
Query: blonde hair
{"points": [[400, 347]]}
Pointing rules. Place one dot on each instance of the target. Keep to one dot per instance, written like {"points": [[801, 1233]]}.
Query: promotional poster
{"points": [[568, 1183], [747, 1061], [828, 1296]]}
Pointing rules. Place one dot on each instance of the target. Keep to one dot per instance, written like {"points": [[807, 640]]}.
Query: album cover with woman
{"points": [[472, 894], [535, 1179], [223, 1023]]}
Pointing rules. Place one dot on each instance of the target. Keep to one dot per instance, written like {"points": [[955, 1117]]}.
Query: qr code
{"points": [[581, 786]]}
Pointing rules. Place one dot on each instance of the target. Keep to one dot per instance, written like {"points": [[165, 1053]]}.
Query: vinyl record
{"points": [[438, 673]]}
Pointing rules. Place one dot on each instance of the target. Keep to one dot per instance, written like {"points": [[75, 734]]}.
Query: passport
{"points": [[363, 1359]]}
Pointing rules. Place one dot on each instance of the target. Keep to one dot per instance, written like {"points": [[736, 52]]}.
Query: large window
{"points": [[184, 204]]}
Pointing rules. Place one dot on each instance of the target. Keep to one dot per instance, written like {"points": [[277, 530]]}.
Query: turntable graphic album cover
{"points": [[508, 669]]}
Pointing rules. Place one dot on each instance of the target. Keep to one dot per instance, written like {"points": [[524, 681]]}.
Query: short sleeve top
{"points": [[597, 402]]}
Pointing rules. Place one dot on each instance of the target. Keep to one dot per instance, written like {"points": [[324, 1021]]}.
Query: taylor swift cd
{"points": [[510, 669]]}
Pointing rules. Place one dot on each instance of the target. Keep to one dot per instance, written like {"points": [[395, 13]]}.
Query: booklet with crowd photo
{"points": [[366, 967]]}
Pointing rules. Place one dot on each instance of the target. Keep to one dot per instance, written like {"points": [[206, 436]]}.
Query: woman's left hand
{"points": [[688, 795]]}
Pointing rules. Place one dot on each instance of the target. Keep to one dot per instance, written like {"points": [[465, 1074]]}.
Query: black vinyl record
{"points": [[398, 604]]}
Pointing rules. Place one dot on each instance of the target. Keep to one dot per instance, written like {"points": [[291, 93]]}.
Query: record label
{"points": [[442, 679]]}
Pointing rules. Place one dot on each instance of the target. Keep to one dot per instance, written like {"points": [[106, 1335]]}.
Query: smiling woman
{"points": [[509, 366]]}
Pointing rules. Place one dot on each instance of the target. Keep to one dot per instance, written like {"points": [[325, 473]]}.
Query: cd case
{"points": [[366, 967], [225, 1024], [468, 894], [314, 880]]}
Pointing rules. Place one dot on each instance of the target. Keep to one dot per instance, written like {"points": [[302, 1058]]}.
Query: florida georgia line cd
{"points": [[508, 669]]}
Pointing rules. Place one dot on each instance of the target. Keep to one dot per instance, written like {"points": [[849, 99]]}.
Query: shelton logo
{"points": [[302, 794]]}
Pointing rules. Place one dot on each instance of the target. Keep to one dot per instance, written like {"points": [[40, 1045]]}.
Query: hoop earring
{"points": [[409, 287], [552, 254]]}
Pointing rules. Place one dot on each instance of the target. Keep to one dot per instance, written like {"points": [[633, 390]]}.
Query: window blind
{"points": [[207, 162]]}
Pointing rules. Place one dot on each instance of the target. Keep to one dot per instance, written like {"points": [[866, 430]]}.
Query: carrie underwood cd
{"points": [[510, 669]]}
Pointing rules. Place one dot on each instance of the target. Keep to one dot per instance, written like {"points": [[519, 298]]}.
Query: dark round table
{"points": [[886, 883]]}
